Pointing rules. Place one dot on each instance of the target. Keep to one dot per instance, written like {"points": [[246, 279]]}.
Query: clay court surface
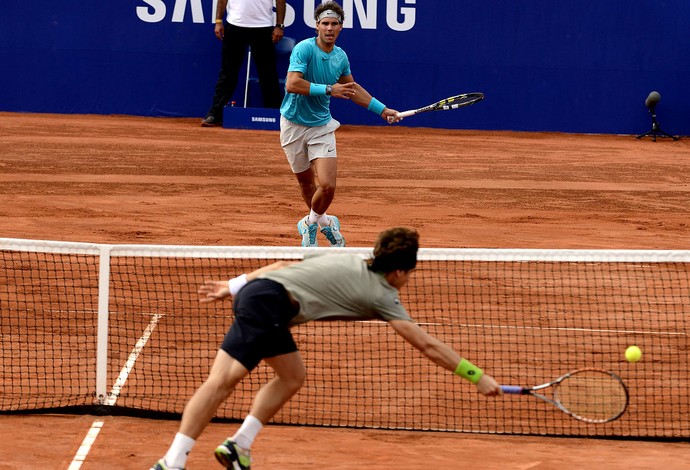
{"points": [[115, 179]]}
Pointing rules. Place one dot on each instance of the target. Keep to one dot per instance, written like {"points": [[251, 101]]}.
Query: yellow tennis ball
{"points": [[633, 354]]}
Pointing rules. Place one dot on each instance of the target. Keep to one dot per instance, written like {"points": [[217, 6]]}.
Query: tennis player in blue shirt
{"points": [[319, 70]]}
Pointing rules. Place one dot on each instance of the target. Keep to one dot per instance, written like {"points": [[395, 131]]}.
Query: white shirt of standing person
{"points": [[251, 13]]}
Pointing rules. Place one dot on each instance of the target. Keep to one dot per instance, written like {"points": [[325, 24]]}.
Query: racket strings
{"points": [[592, 396]]}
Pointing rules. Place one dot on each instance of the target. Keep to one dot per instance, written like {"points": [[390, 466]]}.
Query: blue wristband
{"points": [[376, 107], [317, 90]]}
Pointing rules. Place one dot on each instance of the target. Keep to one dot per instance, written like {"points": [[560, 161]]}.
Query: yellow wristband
{"points": [[469, 371], [219, 21]]}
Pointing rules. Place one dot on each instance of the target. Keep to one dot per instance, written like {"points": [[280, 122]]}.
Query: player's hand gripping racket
{"points": [[590, 395], [453, 102]]}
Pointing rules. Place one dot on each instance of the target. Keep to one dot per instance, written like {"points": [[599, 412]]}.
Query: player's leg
{"points": [[307, 185], [226, 373], [306, 227], [318, 185], [275, 344], [323, 155], [327, 171], [294, 139], [234, 452], [290, 375]]}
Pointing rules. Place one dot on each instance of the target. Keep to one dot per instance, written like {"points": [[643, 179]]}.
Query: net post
{"points": [[102, 332]]}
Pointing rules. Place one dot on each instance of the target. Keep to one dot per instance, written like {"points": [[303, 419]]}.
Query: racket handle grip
{"points": [[405, 114], [401, 115], [391, 119], [513, 389]]}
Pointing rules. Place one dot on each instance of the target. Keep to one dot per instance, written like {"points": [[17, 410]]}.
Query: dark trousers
{"points": [[235, 43]]}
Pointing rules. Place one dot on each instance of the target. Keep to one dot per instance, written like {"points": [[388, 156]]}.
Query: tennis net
{"points": [[120, 326]]}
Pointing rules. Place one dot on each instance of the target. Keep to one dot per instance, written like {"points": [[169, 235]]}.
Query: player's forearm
{"points": [[441, 354], [436, 350], [361, 97], [444, 356]]}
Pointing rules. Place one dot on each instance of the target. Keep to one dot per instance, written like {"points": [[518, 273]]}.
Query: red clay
{"points": [[116, 179]]}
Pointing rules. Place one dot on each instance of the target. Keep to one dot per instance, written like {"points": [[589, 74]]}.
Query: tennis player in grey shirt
{"points": [[268, 301]]}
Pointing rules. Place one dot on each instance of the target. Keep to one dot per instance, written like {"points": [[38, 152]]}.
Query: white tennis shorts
{"points": [[303, 144]]}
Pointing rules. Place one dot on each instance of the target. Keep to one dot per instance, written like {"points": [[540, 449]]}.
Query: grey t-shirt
{"points": [[339, 287]]}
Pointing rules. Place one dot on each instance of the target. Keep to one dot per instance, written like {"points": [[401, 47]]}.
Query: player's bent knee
{"points": [[327, 188], [294, 379], [297, 384], [223, 385]]}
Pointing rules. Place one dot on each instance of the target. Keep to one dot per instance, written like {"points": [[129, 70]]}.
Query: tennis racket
{"points": [[589, 395], [453, 102]]}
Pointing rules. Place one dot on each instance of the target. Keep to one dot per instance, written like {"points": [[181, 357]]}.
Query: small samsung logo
{"points": [[263, 119]]}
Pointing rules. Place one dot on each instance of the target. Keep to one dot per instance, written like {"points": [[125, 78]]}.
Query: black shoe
{"points": [[210, 121]]}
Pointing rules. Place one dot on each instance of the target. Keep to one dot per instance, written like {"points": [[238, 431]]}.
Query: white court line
{"points": [[124, 373], [551, 328], [587, 330], [86, 445], [97, 425]]}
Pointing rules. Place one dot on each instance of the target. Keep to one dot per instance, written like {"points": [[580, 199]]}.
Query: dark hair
{"points": [[396, 248], [331, 5]]}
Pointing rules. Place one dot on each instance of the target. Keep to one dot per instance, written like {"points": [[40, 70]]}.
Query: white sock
{"points": [[314, 217], [179, 450], [245, 435], [323, 219]]}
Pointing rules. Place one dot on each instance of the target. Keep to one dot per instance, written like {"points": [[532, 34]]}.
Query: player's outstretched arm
{"points": [[218, 290], [443, 355], [362, 97]]}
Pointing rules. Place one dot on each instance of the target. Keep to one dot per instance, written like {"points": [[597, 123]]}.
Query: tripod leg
{"points": [[666, 134]]}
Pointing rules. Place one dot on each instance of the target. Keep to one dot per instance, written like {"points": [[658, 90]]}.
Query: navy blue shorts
{"points": [[262, 311]]}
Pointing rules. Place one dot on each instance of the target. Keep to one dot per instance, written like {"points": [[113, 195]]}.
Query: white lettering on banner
{"points": [[408, 14], [367, 17], [155, 16], [263, 119], [181, 5], [159, 11], [400, 14]]}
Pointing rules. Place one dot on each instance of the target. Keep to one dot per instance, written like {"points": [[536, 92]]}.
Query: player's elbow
{"points": [[292, 86]]}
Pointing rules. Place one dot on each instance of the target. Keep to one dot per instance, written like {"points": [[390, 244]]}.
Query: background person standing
{"points": [[249, 24]]}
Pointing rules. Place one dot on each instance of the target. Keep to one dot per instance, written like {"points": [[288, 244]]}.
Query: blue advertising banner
{"points": [[575, 66]]}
